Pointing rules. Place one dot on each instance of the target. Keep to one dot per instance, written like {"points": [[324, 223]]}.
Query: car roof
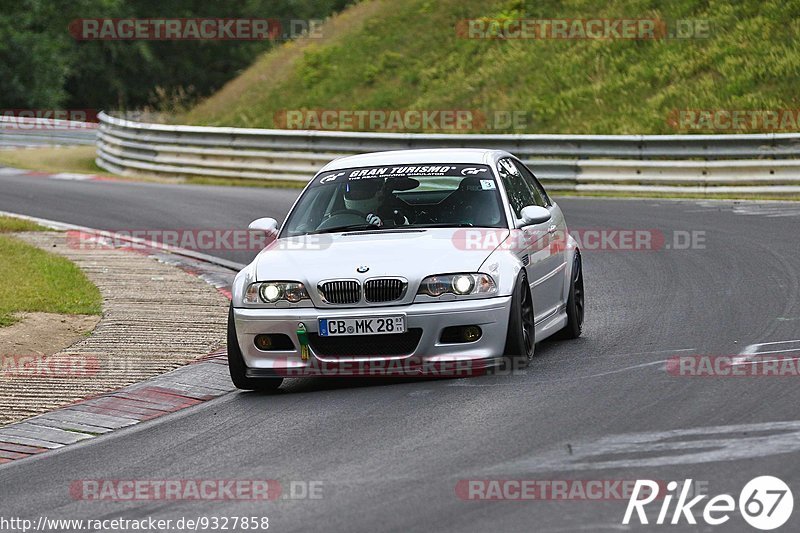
{"points": [[414, 157]]}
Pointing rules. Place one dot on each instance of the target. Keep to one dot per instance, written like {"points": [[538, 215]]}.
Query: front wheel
{"points": [[520, 338], [237, 367]]}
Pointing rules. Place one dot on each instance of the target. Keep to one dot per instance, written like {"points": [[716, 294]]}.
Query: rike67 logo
{"points": [[765, 503]]}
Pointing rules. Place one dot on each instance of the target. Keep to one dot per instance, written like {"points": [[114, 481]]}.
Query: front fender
{"points": [[504, 266], [242, 280], [570, 251]]}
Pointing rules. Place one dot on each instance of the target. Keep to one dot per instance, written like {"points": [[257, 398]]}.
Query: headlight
{"points": [[460, 284], [270, 292], [463, 284], [274, 291]]}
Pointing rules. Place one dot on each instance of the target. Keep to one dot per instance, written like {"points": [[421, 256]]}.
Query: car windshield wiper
{"points": [[350, 227], [441, 225]]}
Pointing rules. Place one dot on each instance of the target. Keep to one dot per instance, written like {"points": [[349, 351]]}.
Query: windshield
{"points": [[398, 196]]}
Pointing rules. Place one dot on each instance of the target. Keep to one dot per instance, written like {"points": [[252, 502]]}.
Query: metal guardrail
{"points": [[729, 164]]}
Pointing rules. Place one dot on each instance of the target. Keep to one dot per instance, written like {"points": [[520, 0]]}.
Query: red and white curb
{"points": [[71, 176], [200, 381], [184, 387], [68, 176]]}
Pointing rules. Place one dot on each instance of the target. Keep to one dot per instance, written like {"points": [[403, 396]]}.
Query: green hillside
{"points": [[407, 55]]}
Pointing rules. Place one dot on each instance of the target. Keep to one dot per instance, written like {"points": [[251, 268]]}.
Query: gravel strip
{"points": [[156, 317]]}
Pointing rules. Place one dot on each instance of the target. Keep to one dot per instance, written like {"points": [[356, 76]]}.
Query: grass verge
{"points": [[408, 55], [32, 280], [80, 160], [12, 224]]}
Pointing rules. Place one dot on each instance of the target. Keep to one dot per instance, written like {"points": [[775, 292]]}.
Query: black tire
{"points": [[575, 301], [521, 335], [237, 367]]}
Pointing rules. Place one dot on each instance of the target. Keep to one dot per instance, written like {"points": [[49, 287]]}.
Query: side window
{"points": [[519, 194], [538, 191]]}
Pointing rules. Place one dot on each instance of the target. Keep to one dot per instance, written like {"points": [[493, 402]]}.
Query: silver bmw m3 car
{"points": [[407, 263]]}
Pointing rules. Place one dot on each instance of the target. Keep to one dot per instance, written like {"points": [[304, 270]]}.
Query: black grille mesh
{"points": [[341, 292], [383, 290]]}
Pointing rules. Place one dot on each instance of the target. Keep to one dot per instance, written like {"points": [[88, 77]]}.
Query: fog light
{"points": [[471, 333], [460, 334], [263, 342]]}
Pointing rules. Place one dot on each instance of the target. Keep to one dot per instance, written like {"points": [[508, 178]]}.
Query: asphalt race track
{"points": [[391, 452]]}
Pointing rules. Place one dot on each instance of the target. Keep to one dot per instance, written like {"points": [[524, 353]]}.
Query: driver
{"points": [[370, 197]]}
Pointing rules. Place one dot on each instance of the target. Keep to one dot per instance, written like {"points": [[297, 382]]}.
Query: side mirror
{"points": [[534, 214], [270, 225]]}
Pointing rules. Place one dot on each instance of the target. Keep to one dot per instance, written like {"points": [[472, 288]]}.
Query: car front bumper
{"points": [[429, 355]]}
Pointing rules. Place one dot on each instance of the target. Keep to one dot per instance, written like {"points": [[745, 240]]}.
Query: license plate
{"points": [[337, 327]]}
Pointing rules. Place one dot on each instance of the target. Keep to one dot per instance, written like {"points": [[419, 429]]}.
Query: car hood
{"points": [[412, 254]]}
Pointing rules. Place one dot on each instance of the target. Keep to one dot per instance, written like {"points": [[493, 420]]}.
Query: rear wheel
{"points": [[521, 335], [237, 367], [575, 301]]}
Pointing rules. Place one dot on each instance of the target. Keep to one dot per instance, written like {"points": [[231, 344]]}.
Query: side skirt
{"points": [[548, 325]]}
